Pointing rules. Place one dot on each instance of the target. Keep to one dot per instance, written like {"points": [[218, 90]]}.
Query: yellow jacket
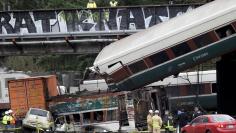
{"points": [[5, 119], [91, 5], [149, 119], [113, 3], [156, 122]]}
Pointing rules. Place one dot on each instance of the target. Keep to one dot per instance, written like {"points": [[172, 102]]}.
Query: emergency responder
{"points": [[196, 112], [156, 122], [171, 2], [106, 14], [168, 122], [182, 119], [113, 3], [12, 119], [5, 119], [91, 4], [149, 121]]}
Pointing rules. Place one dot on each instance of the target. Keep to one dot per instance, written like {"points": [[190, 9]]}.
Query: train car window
{"points": [[76, 118], [234, 25], [98, 116], [137, 66], [86, 118], [225, 31], [111, 115], [181, 49], [202, 40], [115, 67], [159, 58], [111, 65]]}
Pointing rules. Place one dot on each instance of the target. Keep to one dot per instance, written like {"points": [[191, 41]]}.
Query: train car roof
{"points": [[164, 30], [208, 76], [188, 78], [14, 75]]}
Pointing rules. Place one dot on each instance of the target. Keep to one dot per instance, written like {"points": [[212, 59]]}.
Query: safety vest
{"points": [[169, 126], [113, 3], [91, 5], [156, 122], [106, 15], [5, 119]]}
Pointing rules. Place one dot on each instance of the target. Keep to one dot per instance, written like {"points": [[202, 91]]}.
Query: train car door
{"points": [[123, 115]]}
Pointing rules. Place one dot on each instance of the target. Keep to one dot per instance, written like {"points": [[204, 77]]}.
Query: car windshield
{"points": [[222, 118], [38, 112]]}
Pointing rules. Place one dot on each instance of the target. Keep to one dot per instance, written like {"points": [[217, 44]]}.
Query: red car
{"points": [[218, 123]]}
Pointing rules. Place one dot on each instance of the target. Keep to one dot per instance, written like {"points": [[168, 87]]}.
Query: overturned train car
{"points": [[170, 47]]}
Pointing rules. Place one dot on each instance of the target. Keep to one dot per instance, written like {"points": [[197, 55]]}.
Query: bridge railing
{"points": [[77, 31], [86, 21]]}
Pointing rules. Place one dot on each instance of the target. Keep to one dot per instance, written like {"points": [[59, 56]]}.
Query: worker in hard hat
{"points": [[156, 122], [5, 119], [168, 122], [11, 119], [149, 121], [91, 4], [113, 3]]}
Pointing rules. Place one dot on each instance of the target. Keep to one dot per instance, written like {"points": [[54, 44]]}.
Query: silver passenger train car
{"points": [[170, 47]]}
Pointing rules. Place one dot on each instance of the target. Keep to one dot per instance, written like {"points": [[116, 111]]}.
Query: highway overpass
{"points": [[77, 31]]}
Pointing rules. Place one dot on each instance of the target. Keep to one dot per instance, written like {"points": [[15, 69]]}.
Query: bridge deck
{"points": [[76, 31]]}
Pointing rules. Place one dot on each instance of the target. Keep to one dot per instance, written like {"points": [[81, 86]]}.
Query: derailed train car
{"points": [[188, 90], [170, 47]]}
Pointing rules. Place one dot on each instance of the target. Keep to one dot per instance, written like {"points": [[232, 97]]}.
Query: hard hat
{"points": [[150, 111], [10, 111], [179, 112], [6, 112], [166, 112], [156, 111]]}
